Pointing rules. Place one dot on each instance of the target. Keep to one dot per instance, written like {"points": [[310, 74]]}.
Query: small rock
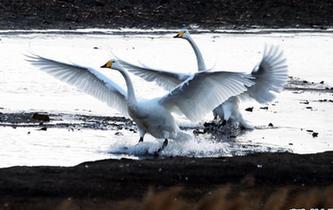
{"points": [[310, 131], [96, 48], [132, 130], [322, 82], [265, 107], [41, 117], [43, 129], [291, 144], [304, 102], [309, 107], [314, 134], [270, 125], [28, 132], [249, 109], [118, 133], [305, 82]]}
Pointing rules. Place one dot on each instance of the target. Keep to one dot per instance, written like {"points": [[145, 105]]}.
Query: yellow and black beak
{"points": [[179, 35], [107, 65]]}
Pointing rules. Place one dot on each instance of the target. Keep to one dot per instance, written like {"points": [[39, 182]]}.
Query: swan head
{"points": [[184, 34], [112, 64]]}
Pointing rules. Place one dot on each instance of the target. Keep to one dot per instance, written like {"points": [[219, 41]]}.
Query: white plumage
{"points": [[86, 79], [194, 97], [270, 76]]}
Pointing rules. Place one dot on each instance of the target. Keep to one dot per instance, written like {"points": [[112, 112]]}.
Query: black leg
{"points": [[165, 143], [141, 139]]}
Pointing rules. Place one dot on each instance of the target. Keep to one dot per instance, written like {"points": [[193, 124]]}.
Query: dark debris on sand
{"points": [[61, 120]]}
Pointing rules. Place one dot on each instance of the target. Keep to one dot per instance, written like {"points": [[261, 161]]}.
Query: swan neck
{"points": [[200, 61], [131, 99]]}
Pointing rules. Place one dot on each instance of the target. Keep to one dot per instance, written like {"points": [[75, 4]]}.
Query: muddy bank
{"points": [[124, 179], [232, 14]]}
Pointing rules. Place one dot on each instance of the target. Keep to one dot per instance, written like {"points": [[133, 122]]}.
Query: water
{"points": [[24, 88]]}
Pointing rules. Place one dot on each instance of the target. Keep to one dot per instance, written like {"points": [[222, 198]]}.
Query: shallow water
{"points": [[24, 88]]}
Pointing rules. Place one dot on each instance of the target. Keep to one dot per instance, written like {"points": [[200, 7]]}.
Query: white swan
{"points": [[194, 97], [270, 74]]}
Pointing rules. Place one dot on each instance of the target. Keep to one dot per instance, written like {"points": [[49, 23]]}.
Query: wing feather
{"points": [[271, 76], [204, 91], [86, 79], [167, 80]]}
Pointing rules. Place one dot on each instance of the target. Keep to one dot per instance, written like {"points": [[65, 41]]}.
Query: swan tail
{"points": [[271, 74]]}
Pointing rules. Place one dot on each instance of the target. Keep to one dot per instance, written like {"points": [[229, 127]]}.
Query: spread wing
{"points": [[86, 79], [271, 75], [167, 80], [204, 91]]}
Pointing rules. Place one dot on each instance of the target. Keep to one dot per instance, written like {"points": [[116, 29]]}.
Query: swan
{"points": [[271, 78], [194, 97], [270, 74]]}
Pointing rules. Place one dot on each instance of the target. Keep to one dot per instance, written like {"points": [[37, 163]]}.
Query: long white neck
{"points": [[200, 61], [131, 100]]}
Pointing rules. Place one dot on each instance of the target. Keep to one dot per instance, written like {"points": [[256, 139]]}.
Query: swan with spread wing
{"points": [[270, 75], [194, 97]]}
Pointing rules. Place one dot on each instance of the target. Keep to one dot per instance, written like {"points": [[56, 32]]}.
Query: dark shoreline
{"points": [[208, 14], [125, 178]]}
